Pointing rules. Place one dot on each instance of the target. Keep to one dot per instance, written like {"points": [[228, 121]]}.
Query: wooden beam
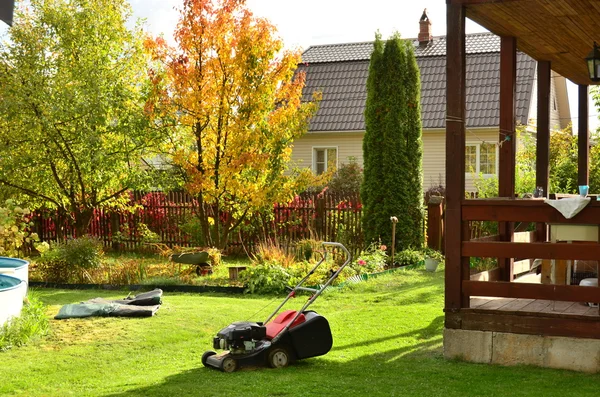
{"points": [[476, 2], [542, 168], [507, 140], [583, 139], [525, 323], [493, 249], [567, 293], [544, 85], [455, 154]]}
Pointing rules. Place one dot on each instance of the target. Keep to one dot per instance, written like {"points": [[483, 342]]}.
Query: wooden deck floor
{"points": [[533, 306]]}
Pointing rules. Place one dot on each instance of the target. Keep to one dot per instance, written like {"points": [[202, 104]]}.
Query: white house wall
{"points": [[559, 117]]}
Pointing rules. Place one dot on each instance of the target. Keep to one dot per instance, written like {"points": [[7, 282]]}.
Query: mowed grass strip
{"points": [[387, 342]]}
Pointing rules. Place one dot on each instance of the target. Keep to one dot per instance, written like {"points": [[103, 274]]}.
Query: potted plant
{"points": [[432, 259]]}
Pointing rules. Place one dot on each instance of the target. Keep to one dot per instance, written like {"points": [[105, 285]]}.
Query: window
{"points": [[481, 158], [324, 159]]}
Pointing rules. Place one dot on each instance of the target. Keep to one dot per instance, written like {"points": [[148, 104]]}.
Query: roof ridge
{"points": [[351, 43]]}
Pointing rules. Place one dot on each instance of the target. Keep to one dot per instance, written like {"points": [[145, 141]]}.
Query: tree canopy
{"points": [[233, 106], [73, 88]]}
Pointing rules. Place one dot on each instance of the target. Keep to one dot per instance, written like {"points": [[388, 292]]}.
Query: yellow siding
{"points": [[434, 158], [434, 155], [350, 145]]}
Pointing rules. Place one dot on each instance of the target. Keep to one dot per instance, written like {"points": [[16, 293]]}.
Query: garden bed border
{"points": [[139, 287]]}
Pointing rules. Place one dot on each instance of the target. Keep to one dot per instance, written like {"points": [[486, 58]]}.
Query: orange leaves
{"points": [[232, 91]]}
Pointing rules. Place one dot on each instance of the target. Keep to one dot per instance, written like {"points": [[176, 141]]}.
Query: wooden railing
{"points": [[525, 210]]}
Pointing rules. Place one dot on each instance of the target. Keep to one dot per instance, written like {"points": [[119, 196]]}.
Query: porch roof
{"points": [[560, 31]]}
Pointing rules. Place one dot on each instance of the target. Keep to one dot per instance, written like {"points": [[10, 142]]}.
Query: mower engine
{"points": [[240, 337]]}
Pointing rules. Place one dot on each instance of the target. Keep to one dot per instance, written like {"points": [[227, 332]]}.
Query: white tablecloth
{"points": [[570, 206]]}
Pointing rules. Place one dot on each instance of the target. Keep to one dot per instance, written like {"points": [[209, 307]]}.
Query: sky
{"points": [[312, 22]]}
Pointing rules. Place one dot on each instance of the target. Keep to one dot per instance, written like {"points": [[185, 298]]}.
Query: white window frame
{"points": [[477, 171], [325, 148]]}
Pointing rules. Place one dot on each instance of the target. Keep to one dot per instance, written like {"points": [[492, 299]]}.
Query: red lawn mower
{"points": [[292, 335]]}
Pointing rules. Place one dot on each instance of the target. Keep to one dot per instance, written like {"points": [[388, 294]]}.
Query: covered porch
{"points": [[486, 320]]}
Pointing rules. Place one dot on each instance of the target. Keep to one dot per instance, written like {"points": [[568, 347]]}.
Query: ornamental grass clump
{"points": [[31, 324]]}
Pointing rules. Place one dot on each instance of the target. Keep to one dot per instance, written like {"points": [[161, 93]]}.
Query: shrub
{"points": [[371, 260], [15, 224], [409, 256], [71, 261], [306, 249], [271, 277], [266, 278], [435, 190], [140, 233], [433, 254], [347, 179], [320, 275], [31, 324]]}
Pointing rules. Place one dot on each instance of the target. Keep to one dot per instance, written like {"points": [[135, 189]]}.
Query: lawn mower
{"points": [[292, 335]]}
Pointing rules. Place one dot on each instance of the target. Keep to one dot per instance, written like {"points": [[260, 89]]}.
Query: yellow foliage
{"points": [[238, 106]]}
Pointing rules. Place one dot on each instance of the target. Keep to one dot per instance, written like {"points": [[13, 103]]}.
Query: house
{"points": [[501, 320], [340, 72]]}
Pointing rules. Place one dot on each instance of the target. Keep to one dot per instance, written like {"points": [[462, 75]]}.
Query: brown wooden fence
{"points": [[324, 216]]}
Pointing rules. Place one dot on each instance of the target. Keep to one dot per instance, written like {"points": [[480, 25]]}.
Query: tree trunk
{"points": [[82, 221], [59, 223]]}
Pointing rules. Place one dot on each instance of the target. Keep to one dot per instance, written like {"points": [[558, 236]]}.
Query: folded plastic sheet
{"points": [[142, 305]]}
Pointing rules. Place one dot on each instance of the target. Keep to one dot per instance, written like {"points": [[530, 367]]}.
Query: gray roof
{"points": [[340, 72]]}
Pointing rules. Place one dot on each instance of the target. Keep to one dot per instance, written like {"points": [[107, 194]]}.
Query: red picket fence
{"points": [[324, 216]]}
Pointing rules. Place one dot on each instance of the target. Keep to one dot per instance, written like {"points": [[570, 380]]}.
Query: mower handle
{"points": [[317, 292]]}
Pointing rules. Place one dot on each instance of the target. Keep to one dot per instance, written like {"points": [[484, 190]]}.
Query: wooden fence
{"points": [[171, 217]]}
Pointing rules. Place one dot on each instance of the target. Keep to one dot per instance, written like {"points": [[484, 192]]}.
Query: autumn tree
{"points": [[72, 83], [392, 146], [235, 106]]}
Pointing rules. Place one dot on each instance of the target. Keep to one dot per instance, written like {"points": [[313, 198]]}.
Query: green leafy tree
{"points": [[73, 88], [392, 146]]}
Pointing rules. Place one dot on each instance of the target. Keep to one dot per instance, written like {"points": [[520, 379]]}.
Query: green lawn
{"points": [[387, 342]]}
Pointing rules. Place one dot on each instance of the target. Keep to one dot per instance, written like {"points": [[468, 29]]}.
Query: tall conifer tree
{"points": [[392, 146]]}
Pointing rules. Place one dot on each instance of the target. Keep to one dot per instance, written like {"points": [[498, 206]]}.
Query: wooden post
{"points": [[320, 216], [507, 140], [435, 226], [583, 139], [542, 169], [456, 270]]}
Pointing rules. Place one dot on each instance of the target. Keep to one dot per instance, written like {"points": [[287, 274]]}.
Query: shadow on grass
{"points": [[258, 381]]}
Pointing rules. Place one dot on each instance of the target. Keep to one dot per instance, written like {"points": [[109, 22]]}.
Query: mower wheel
{"points": [[206, 355], [279, 358], [228, 364]]}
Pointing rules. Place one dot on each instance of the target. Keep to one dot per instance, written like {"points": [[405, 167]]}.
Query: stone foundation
{"points": [[576, 354]]}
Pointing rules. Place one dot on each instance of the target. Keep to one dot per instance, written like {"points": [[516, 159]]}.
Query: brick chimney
{"points": [[425, 36]]}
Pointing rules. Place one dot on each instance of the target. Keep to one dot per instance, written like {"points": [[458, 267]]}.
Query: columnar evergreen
{"points": [[392, 146]]}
